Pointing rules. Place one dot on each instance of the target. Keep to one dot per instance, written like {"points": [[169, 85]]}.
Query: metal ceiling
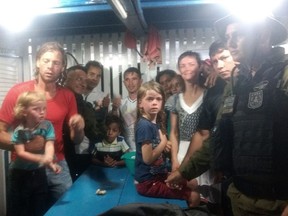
{"points": [[68, 17]]}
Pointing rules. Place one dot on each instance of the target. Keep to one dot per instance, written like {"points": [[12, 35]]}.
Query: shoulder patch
{"points": [[255, 99]]}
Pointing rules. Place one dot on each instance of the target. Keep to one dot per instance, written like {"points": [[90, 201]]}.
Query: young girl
{"points": [[150, 136], [109, 150], [27, 172]]}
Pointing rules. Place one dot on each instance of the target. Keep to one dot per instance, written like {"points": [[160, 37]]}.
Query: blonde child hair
{"points": [[24, 101], [161, 116]]}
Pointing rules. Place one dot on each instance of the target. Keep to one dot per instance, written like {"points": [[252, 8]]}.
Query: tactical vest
{"points": [[260, 143]]}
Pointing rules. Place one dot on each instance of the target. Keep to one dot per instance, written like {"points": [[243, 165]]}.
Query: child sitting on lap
{"points": [[109, 150]]}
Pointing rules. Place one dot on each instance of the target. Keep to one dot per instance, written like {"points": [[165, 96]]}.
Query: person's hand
{"points": [[106, 101], [211, 79], [110, 161], [175, 180], [98, 104], [56, 168], [36, 144], [163, 138], [45, 160], [116, 102], [285, 211], [168, 146], [76, 122]]}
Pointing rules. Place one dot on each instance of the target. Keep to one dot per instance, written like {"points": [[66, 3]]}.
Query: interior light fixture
{"points": [[252, 12], [120, 8], [23, 19]]}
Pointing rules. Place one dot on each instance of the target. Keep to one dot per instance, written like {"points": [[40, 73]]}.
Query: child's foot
{"points": [[194, 199]]}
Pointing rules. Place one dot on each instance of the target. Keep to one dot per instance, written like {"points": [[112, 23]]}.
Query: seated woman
{"points": [[108, 151]]}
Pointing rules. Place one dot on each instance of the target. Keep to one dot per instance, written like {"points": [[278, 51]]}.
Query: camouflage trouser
{"points": [[243, 205]]}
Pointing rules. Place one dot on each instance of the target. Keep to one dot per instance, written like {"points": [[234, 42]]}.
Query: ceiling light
{"points": [[252, 12], [20, 19]]}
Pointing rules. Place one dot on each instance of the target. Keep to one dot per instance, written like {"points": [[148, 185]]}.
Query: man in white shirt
{"points": [[93, 94], [127, 107]]}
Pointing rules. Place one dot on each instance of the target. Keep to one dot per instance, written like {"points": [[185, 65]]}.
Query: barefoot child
{"points": [[150, 166], [27, 175]]}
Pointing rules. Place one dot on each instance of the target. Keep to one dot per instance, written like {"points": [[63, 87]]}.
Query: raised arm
{"points": [[116, 103]]}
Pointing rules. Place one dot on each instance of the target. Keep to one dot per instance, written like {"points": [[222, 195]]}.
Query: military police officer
{"points": [[257, 107]]}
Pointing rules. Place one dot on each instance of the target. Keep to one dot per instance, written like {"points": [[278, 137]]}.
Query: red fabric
{"points": [[130, 40], [152, 52], [158, 188], [59, 109]]}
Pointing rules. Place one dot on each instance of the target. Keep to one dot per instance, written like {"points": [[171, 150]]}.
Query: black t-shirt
{"points": [[211, 105]]}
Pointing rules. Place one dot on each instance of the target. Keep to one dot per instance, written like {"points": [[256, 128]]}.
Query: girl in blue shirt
{"points": [[150, 136]]}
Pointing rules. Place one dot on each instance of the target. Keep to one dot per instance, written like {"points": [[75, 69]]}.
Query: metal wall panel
{"points": [[10, 74], [106, 49]]}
